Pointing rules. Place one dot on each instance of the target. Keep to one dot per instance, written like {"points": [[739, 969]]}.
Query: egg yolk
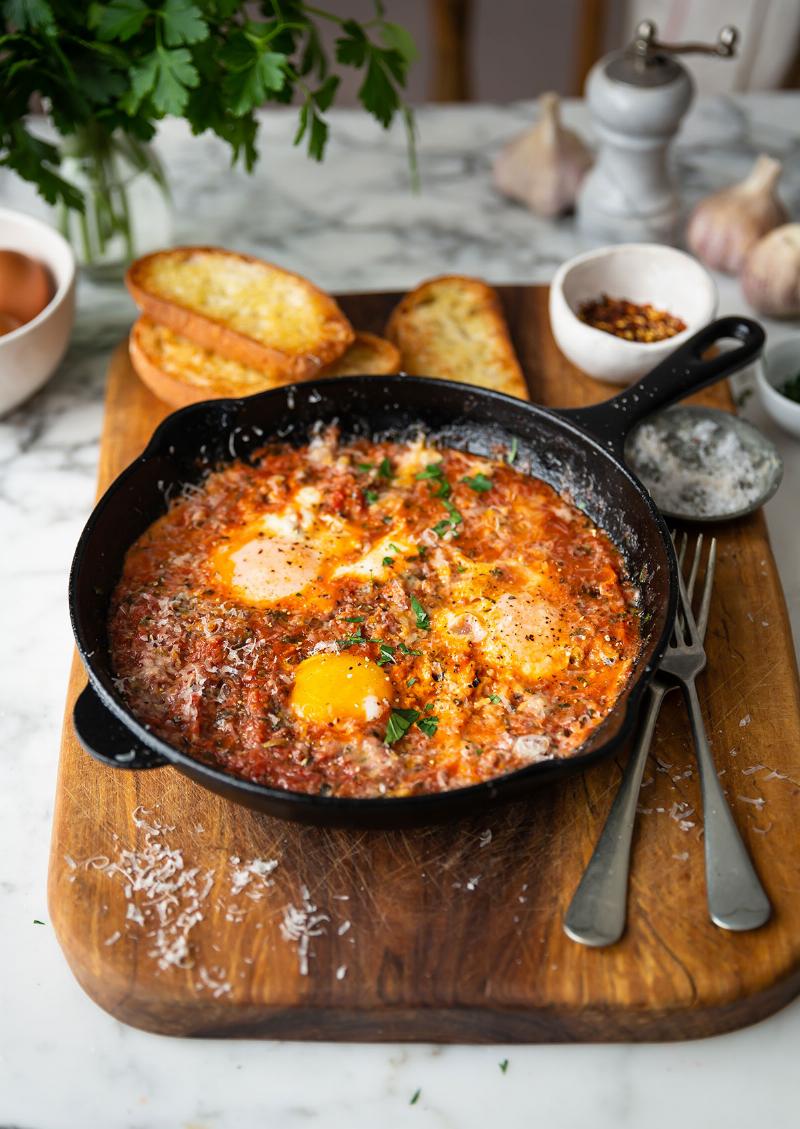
{"points": [[329, 687]]}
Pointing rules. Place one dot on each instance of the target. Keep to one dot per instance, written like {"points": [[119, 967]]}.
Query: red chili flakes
{"points": [[630, 321]]}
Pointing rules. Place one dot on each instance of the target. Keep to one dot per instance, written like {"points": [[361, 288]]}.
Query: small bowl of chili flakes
{"points": [[618, 311]]}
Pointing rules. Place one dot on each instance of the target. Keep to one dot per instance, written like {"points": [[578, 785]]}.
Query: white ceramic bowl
{"points": [[780, 362], [31, 354], [639, 272]]}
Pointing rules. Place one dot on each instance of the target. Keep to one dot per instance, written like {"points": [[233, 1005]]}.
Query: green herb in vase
{"points": [[108, 73]]}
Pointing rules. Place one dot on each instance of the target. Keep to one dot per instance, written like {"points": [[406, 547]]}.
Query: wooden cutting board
{"points": [[184, 914]]}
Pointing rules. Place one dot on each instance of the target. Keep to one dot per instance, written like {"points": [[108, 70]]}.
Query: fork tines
{"points": [[695, 628]]}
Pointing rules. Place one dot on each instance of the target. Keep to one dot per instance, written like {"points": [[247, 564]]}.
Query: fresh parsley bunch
{"points": [[105, 68]]}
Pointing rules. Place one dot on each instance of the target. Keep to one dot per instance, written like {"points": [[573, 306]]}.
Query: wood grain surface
{"points": [[448, 934]]}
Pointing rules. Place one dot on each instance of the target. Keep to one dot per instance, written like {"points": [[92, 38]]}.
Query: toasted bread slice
{"points": [[242, 308], [369, 355], [180, 372], [453, 328]]}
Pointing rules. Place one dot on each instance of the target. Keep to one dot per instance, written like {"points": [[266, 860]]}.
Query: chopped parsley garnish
{"points": [[479, 483], [36, 921], [400, 721], [791, 389], [370, 497], [423, 619], [352, 640], [455, 519], [411, 682], [503, 1065], [365, 466], [388, 561], [512, 451], [354, 618], [415, 1097], [385, 470], [394, 548], [442, 491], [494, 699], [404, 650], [428, 725], [386, 654]]}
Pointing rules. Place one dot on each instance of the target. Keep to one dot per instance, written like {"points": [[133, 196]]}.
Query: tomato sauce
{"points": [[367, 619]]}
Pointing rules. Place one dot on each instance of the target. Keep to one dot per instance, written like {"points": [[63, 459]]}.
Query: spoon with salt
{"points": [[703, 464]]}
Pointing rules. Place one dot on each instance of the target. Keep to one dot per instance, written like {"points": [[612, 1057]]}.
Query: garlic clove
{"points": [[543, 167], [724, 226], [770, 275]]}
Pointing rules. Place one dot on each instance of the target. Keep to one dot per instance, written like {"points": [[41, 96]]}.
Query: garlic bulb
{"points": [[543, 167], [771, 273], [723, 227]]}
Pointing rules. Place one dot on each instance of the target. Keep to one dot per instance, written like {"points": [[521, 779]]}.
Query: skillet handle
{"points": [[683, 372], [105, 738]]}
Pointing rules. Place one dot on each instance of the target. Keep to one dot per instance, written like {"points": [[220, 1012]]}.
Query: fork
{"points": [[736, 899]]}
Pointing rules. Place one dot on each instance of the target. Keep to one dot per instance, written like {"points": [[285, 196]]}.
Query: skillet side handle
{"points": [[680, 374], [106, 739]]}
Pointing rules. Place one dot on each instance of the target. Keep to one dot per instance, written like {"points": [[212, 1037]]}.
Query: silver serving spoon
{"points": [[703, 464]]}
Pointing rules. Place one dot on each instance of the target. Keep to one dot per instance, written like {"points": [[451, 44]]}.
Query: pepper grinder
{"points": [[637, 98]]}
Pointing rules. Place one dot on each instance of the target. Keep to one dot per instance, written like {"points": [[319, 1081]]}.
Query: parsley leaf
{"points": [[415, 1097], [385, 469], [455, 516], [423, 619], [36, 921], [428, 725], [354, 618], [34, 159], [494, 699], [386, 654], [512, 451], [167, 76], [183, 23], [447, 523], [253, 74], [388, 561], [400, 721], [116, 67], [479, 483], [400, 40], [121, 19], [404, 650], [352, 640], [365, 466], [411, 682], [503, 1065], [370, 497], [442, 491]]}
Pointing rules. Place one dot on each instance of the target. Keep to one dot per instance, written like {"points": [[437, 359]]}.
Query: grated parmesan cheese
{"points": [[302, 923]]}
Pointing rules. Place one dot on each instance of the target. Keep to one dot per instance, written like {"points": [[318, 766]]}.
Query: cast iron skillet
{"points": [[578, 451]]}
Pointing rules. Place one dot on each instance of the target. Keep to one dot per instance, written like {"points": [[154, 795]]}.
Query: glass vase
{"points": [[127, 208]]}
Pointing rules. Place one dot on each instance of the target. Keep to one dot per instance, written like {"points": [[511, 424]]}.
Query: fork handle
{"points": [[597, 912], [736, 898]]}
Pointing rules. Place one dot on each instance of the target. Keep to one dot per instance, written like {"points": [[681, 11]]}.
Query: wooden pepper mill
{"points": [[637, 98]]}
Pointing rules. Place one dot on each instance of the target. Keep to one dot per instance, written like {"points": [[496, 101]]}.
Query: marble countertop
{"points": [[350, 224]]}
